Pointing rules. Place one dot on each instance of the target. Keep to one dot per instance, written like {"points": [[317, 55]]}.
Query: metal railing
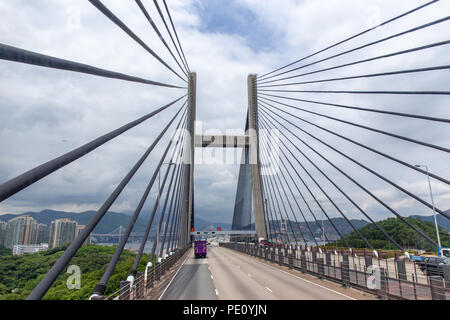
{"points": [[145, 282], [384, 278]]}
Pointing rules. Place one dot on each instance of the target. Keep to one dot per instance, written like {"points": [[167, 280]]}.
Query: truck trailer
{"points": [[200, 249]]}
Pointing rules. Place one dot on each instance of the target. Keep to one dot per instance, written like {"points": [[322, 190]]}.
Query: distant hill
{"points": [[330, 232], [400, 232], [111, 220], [201, 224], [441, 220]]}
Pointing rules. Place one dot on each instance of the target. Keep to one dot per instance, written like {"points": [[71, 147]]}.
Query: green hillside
{"points": [[400, 232], [22, 273]]}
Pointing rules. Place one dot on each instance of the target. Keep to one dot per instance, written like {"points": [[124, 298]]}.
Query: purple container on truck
{"points": [[200, 248]]}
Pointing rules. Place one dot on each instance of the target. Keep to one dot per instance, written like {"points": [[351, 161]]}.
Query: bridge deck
{"points": [[228, 275]]}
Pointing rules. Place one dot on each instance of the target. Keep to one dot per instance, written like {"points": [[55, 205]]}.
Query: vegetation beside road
{"points": [[5, 251], [20, 274], [400, 232]]}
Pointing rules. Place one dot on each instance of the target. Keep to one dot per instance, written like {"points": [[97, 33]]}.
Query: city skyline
{"points": [[24, 231]]}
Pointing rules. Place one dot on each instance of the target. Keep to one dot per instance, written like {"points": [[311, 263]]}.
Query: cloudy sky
{"points": [[45, 113]]}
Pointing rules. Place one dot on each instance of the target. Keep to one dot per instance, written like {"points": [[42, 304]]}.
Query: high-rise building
{"points": [[20, 230], [78, 231], [62, 231], [2, 232], [41, 233]]}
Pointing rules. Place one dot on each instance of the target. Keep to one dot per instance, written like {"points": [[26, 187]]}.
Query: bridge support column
{"points": [[192, 105], [258, 203], [187, 209]]}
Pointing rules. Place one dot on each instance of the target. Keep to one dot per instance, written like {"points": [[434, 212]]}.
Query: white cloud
{"points": [[46, 112]]}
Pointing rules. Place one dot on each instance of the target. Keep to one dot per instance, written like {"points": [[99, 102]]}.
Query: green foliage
{"points": [[400, 232], [5, 251], [20, 274]]}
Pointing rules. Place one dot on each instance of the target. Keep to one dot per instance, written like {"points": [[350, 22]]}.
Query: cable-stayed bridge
{"points": [[284, 168]]}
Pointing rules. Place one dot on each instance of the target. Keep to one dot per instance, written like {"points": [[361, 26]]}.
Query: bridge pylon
{"points": [[187, 218], [255, 163], [250, 181]]}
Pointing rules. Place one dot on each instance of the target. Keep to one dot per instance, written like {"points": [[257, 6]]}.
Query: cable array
{"points": [[21, 182], [309, 165]]}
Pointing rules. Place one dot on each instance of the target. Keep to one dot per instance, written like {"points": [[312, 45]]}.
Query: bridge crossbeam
{"points": [[230, 232], [222, 141]]}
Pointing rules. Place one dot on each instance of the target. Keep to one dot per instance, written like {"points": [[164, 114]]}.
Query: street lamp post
{"points": [[434, 210]]}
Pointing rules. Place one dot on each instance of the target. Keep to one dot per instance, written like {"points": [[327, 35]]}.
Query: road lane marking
{"points": [[174, 277], [341, 294], [268, 289], [212, 277], [249, 275], [217, 292]]}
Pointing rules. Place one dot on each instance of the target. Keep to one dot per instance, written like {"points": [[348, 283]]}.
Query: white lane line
{"points": [[217, 292], [173, 277], [268, 289], [212, 277], [249, 275], [341, 294]]}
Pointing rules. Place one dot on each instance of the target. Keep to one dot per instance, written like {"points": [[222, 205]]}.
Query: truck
{"points": [[200, 249]]}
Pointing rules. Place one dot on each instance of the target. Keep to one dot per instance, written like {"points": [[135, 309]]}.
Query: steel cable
{"points": [[353, 180], [366, 168], [103, 9], [351, 38]]}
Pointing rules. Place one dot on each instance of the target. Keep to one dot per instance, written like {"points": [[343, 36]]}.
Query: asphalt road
{"points": [[193, 281], [228, 275]]}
